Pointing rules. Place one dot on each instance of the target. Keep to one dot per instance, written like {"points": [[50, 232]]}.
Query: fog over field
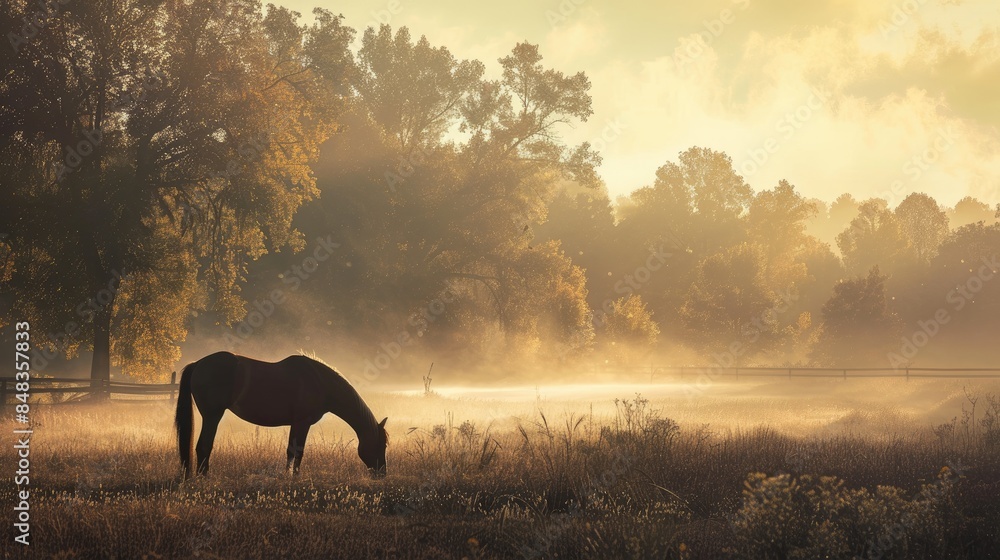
{"points": [[557, 279]]}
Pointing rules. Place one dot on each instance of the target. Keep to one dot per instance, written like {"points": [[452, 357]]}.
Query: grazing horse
{"points": [[296, 392]]}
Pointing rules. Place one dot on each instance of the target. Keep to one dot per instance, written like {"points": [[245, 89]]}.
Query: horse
{"points": [[295, 392]]}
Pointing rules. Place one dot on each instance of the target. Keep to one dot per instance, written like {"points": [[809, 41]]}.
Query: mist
{"points": [[421, 280]]}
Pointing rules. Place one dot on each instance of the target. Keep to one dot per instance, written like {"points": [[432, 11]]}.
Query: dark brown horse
{"points": [[296, 392]]}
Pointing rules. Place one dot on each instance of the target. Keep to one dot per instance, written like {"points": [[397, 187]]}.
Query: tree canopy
{"points": [[175, 167]]}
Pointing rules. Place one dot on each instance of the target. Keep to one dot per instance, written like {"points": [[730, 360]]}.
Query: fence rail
{"points": [[688, 372], [656, 373], [38, 385]]}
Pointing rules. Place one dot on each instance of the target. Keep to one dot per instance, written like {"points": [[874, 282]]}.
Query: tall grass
{"points": [[105, 483]]}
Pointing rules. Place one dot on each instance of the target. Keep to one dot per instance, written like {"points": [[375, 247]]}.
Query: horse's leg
{"points": [[209, 425], [296, 445]]}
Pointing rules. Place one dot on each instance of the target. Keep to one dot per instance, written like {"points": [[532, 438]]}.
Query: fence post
{"points": [[173, 381], [3, 394]]}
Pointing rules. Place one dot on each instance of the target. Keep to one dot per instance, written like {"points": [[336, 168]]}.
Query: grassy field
{"points": [[747, 471]]}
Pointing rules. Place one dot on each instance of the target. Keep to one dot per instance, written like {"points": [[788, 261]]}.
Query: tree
{"points": [[659, 212], [629, 330], [843, 210], [923, 224], [730, 302], [543, 296], [776, 222], [157, 146], [417, 208], [701, 195], [859, 328], [823, 271], [694, 209], [970, 211], [583, 221], [955, 302], [412, 91], [830, 222], [873, 239]]}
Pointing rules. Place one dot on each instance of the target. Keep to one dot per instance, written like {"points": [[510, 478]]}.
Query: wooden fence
{"points": [[39, 385], [695, 372]]}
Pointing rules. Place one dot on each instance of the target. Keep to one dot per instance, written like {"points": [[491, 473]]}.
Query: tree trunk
{"points": [[100, 367]]}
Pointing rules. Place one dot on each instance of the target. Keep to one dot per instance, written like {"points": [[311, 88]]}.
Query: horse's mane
{"points": [[312, 356]]}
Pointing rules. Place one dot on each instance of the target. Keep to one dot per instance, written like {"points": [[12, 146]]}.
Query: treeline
{"points": [[178, 167], [773, 278]]}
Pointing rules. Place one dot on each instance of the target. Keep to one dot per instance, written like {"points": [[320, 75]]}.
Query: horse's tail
{"points": [[184, 419]]}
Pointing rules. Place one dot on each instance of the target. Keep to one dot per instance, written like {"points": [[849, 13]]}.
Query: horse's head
{"points": [[372, 451]]}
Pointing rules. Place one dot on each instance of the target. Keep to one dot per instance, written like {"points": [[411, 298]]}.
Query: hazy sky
{"points": [[871, 97]]}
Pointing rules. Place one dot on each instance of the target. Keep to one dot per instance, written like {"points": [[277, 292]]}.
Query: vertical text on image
{"points": [[22, 365]]}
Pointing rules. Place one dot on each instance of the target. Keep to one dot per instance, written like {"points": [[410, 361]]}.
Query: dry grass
{"points": [[539, 478]]}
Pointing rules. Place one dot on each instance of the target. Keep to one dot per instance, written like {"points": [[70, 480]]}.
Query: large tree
{"points": [[583, 221], [694, 209], [859, 327], [956, 299], [700, 198], [776, 221], [923, 224], [730, 303], [970, 210], [832, 218], [629, 331], [873, 238], [441, 175], [156, 146]]}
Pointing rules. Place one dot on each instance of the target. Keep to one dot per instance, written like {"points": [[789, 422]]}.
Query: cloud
{"points": [[578, 40], [726, 74], [966, 78]]}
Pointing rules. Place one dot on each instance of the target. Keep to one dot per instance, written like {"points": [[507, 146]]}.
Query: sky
{"points": [[876, 98]]}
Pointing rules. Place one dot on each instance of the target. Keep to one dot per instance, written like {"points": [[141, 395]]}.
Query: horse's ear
{"points": [[382, 423]]}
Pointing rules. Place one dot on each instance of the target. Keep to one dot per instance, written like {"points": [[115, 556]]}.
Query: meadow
{"points": [[743, 471]]}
